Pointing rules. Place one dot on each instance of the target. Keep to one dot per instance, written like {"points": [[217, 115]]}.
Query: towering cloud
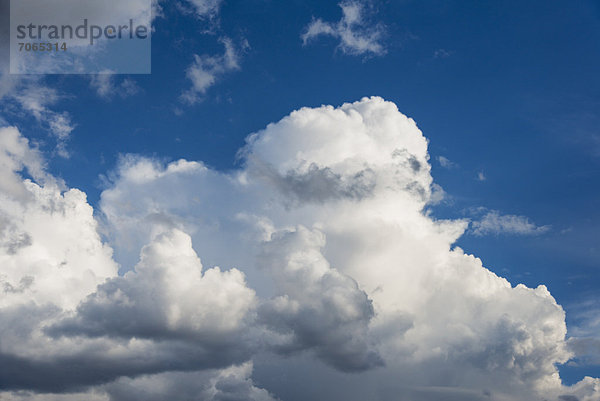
{"points": [[334, 274]]}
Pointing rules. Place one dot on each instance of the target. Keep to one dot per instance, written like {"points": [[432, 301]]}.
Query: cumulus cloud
{"points": [[319, 308], [356, 35], [166, 295], [206, 70], [335, 253], [69, 321], [51, 250], [17, 155], [495, 223], [334, 266], [232, 383]]}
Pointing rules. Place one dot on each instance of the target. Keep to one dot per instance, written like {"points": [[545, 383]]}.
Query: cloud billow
{"points": [[332, 270]]}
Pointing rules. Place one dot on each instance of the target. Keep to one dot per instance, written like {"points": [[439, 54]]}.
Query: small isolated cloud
{"points": [[442, 53], [206, 70], [356, 35], [481, 176], [106, 86], [445, 162], [495, 223]]}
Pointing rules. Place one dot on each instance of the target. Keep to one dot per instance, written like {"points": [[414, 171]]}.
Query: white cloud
{"points": [[16, 154], [68, 320], [33, 97], [106, 87], [170, 295], [320, 308], [207, 70], [332, 196], [356, 35], [337, 267], [481, 176], [206, 8], [51, 252], [445, 162], [495, 223]]}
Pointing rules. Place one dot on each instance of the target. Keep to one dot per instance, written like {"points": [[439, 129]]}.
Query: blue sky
{"points": [[507, 94]]}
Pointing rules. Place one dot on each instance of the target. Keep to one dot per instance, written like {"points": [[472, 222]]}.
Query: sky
{"points": [[356, 200]]}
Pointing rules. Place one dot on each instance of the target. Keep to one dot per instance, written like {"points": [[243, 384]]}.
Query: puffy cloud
{"points": [[233, 383], [495, 223], [333, 201], [51, 251], [355, 35], [319, 308], [17, 155], [166, 296], [344, 270], [206, 70], [69, 321]]}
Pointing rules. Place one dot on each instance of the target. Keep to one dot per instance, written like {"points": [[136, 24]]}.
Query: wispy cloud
{"points": [[206, 8], [442, 53], [495, 223], [107, 87], [206, 70], [32, 96], [446, 163], [356, 35]]}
